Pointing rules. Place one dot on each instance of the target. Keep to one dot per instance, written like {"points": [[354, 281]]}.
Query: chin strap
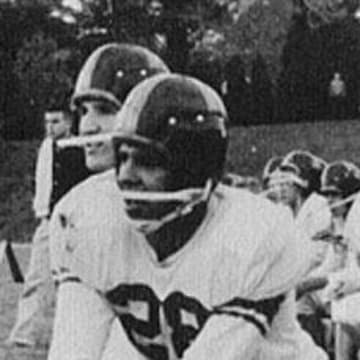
{"points": [[189, 198]]}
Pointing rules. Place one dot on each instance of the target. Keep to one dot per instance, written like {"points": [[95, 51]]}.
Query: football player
{"points": [[191, 269], [104, 81], [56, 172], [298, 183], [340, 181]]}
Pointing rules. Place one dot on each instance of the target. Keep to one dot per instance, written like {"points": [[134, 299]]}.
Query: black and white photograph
{"points": [[179, 179]]}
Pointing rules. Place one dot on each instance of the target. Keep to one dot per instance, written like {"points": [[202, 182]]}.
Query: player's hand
{"points": [[343, 283], [334, 288]]}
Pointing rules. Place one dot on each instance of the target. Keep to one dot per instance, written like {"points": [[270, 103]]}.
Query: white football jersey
{"points": [[314, 216], [239, 267], [352, 225]]}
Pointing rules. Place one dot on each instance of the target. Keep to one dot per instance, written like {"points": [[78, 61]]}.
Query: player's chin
{"points": [[138, 210], [143, 210], [98, 162]]}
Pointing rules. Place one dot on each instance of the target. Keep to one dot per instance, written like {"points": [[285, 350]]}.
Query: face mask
{"points": [[188, 198], [81, 141], [283, 177]]}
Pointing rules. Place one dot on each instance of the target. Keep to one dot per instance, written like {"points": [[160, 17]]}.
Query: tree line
{"points": [[261, 56]]}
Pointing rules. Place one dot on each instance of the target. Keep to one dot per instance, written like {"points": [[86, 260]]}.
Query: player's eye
{"points": [[81, 110], [105, 108], [122, 157]]}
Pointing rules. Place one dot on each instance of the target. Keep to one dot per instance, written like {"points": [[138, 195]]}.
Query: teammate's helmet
{"points": [[306, 169], [182, 118], [272, 165], [340, 177], [112, 70]]}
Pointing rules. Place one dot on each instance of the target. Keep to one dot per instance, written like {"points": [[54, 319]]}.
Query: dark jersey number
{"points": [[139, 310]]}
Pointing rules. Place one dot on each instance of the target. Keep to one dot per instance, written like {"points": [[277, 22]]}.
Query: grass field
{"points": [[248, 152], [9, 293], [251, 147]]}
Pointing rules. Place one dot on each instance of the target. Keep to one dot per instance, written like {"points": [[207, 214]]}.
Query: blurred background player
{"points": [[297, 184], [132, 256], [57, 170], [340, 181]]}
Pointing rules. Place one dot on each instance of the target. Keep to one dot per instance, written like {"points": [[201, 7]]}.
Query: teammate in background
{"points": [[191, 269], [56, 172], [297, 184], [340, 181], [270, 168], [104, 81]]}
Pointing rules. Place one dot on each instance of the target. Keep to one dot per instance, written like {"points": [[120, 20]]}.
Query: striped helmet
{"points": [[340, 177], [272, 165], [182, 118], [304, 169], [112, 70]]}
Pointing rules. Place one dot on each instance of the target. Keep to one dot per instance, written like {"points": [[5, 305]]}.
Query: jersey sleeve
{"points": [[225, 338], [81, 239], [263, 272], [82, 324], [352, 226], [83, 227], [281, 258]]}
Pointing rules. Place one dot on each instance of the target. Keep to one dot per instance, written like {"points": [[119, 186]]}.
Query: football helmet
{"points": [[272, 165], [340, 177], [112, 70], [184, 120], [304, 169]]}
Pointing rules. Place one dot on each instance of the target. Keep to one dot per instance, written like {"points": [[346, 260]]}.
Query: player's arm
{"points": [[235, 331], [82, 323], [311, 284], [232, 340]]}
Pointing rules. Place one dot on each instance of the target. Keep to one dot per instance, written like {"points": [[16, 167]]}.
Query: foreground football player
{"points": [[190, 268], [297, 184]]}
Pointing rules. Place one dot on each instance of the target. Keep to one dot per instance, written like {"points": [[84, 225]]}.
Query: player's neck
{"points": [[173, 236], [296, 206]]}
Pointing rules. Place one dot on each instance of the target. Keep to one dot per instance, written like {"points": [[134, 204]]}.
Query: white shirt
{"points": [[43, 178], [314, 216]]}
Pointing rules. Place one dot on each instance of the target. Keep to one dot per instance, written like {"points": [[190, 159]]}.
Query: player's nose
{"points": [[90, 124], [128, 175]]}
